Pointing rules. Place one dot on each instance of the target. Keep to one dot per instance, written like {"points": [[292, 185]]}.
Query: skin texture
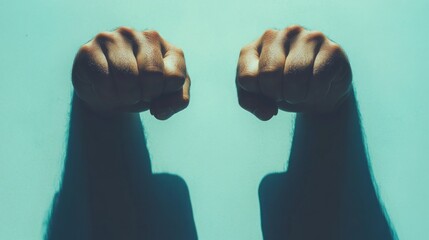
{"points": [[108, 190], [293, 69], [327, 191], [131, 71]]}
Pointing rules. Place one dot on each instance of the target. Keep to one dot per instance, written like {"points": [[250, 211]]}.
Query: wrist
{"points": [[97, 113]]}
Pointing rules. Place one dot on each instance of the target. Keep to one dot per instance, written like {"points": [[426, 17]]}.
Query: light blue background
{"points": [[220, 150]]}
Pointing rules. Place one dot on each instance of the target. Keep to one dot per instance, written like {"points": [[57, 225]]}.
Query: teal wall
{"points": [[220, 150]]}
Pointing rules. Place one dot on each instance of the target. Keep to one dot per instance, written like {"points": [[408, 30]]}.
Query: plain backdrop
{"points": [[219, 149]]}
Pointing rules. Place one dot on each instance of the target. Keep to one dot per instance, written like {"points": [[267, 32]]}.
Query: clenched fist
{"points": [[128, 70], [293, 70]]}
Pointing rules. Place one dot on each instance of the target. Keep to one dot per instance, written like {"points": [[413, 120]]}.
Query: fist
{"points": [[127, 70], [292, 70]]}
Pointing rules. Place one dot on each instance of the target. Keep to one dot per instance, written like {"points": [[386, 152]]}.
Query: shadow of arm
{"points": [[328, 190], [108, 190]]}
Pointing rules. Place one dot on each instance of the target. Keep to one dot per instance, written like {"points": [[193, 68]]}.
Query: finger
{"points": [[331, 74], [123, 67], [84, 69], [248, 68], [271, 64], [151, 65], [174, 68], [260, 106], [97, 69], [298, 69], [166, 106]]}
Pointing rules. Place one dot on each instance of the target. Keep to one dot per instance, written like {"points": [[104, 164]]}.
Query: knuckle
{"points": [[85, 50], [243, 51], [126, 31], [293, 30], [104, 37], [335, 50], [152, 35], [246, 49], [269, 34], [180, 52], [315, 36]]}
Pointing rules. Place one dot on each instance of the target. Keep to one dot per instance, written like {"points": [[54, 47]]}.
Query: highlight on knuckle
{"points": [[152, 35], [269, 35], [244, 50], [104, 37], [85, 50]]}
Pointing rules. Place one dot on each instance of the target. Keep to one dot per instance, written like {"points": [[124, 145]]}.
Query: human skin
{"points": [[293, 69], [108, 190], [327, 191], [132, 71]]}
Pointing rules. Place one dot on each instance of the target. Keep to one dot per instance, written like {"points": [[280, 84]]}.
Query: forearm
{"points": [[329, 161], [106, 169]]}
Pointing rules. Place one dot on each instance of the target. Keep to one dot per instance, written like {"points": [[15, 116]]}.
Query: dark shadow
{"points": [[327, 192], [108, 190]]}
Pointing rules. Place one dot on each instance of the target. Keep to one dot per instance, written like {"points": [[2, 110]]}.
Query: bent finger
{"points": [[167, 105], [260, 106]]}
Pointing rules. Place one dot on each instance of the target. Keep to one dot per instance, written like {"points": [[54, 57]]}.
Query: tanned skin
{"points": [[108, 189], [327, 191]]}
